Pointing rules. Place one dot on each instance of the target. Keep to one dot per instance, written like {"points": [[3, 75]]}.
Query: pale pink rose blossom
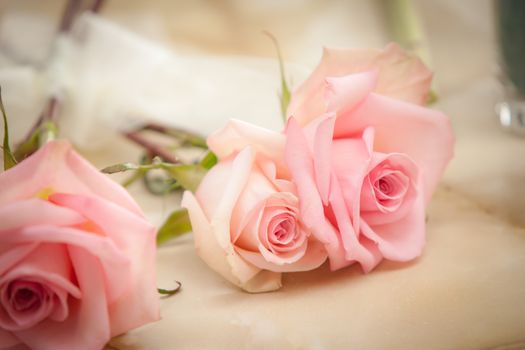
{"points": [[77, 257], [366, 164], [245, 213]]}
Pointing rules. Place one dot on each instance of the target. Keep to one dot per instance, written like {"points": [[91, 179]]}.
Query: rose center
{"points": [[25, 296], [391, 187], [284, 231], [384, 186], [24, 299]]}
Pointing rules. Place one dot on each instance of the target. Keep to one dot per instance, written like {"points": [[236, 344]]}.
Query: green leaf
{"points": [[209, 160], [189, 176], [285, 95], [177, 224], [28, 146], [170, 292], [9, 158]]}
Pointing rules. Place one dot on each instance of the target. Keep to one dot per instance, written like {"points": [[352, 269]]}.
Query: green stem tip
{"points": [[9, 158], [170, 292]]}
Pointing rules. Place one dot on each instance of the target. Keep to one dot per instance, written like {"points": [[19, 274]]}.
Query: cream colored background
{"points": [[468, 289]]}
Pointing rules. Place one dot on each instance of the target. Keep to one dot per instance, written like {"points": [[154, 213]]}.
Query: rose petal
{"points": [[350, 165], [354, 251], [300, 162], [220, 190], [315, 255], [402, 240], [237, 134], [245, 233], [322, 156], [282, 258], [345, 92], [249, 205], [138, 244], [329, 94], [36, 211], [58, 168], [12, 254], [399, 75], [422, 134]]}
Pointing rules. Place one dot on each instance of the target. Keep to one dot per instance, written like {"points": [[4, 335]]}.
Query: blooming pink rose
{"points": [[245, 213], [77, 257], [366, 164]]}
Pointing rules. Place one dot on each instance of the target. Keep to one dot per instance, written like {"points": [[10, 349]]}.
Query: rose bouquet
{"points": [[347, 180]]}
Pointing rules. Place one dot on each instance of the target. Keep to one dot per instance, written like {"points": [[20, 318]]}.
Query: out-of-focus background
{"points": [[303, 27]]}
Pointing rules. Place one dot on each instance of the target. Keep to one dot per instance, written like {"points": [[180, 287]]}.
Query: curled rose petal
{"points": [[35, 211], [238, 134], [399, 75], [57, 168]]}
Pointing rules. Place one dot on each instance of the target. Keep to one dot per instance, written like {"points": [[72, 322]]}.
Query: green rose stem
{"points": [[182, 137], [406, 29], [186, 176], [285, 94], [9, 158]]}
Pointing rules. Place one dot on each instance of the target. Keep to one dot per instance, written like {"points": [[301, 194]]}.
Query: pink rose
{"points": [[366, 163], [77, 257], [245, 213]]}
